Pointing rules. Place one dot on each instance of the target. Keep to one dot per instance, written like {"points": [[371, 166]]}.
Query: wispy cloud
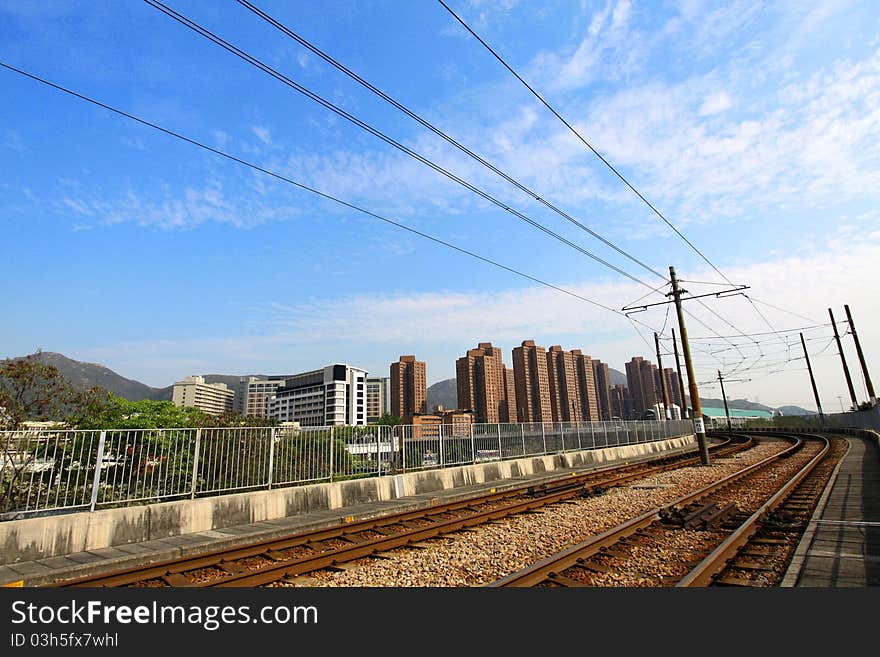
{"points": [[262, 134]]}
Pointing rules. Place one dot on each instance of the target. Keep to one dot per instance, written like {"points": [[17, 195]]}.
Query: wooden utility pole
{"points": [[724, 397], [699, 427], [663, 390], [849, 383], [812, 379], [684, 406], [868, 384]]}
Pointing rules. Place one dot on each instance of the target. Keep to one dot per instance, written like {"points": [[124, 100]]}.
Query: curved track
{"points": [[692, 540], [288, 558]]}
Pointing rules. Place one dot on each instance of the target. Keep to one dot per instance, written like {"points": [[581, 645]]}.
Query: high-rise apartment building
{"points": [[408, 387], [586, 382], [670, 378], [253, 394], [532, 383], [333, 395], [621, 404], [479, 376], [603, 388], [213, 398], [565, 402], [378, 398], [510, 387], [641, 380]]}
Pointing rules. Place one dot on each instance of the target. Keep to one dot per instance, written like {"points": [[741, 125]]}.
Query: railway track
{"points": [[736, 532], [290, 558]]}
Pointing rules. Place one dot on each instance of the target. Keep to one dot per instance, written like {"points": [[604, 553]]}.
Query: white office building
{"points": [[213, 398], [333, 395]]}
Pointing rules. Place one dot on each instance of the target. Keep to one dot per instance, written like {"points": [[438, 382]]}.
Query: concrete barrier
{"points": [[39, 538]]}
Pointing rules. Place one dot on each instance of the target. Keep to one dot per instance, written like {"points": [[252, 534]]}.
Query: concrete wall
{"points": [[39, 538]]}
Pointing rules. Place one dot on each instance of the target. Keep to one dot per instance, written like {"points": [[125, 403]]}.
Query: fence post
{"points": [[442, 459], [192, 489], [544, 437], [332, 446], [577, 426], [97, 478], [500, 452], [473, 447], [271, 455], [562, 434], [522, 430]]}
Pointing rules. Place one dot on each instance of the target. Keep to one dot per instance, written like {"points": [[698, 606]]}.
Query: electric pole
{"points": [[724, 397], [699, 427], [812, 379], [849, 383], [662, 380], [868, 384], [684, 406]]}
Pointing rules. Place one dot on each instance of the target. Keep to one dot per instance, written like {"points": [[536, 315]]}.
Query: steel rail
{"points": [[551, 567], [716, 561], [549, 492]]}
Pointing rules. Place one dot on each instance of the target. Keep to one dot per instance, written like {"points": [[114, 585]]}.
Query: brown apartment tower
{"points": [[565, 399], [408, 387], [586, 380], [480, 378], [641, 380], [532, 383], [603, 389]]}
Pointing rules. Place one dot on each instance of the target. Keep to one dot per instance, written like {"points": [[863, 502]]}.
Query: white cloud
{"points": [[262, 134], [717, 102], [372, 330]]}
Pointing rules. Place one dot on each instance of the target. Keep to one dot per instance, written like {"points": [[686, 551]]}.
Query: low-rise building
{"points": [[213, 398]]}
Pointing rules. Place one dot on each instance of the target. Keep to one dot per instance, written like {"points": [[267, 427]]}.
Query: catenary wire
{"points": [[437, 131], [238, 52], [304, 187]]}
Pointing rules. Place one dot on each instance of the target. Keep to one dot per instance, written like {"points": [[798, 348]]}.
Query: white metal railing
{"points": [[51, 470]]}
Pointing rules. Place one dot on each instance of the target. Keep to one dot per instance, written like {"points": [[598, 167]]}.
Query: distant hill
{"points": [[742, 404], [617, 378], [794, 410], [88, 375], [443, 393]]}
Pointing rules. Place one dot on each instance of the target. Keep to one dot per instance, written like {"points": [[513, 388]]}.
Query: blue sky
{"points": [[753, 127]]}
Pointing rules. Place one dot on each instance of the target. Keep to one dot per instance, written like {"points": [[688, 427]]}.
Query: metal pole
{"points": [[332, 465], [699, 427], [870, 386], [684, 408], [97, 478], [724, 397], [663, 390], [849, 383], [271, 455], [192, 492], [812, 379]]}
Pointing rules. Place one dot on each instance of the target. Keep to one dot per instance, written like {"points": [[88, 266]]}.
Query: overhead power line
{"points": [[325, 195], [238, 52], [202, 31], [584, 141], [437, 131]]}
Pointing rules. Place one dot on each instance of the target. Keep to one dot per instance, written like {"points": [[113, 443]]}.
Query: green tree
{"points": [[389, 420], [34, 391]]}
